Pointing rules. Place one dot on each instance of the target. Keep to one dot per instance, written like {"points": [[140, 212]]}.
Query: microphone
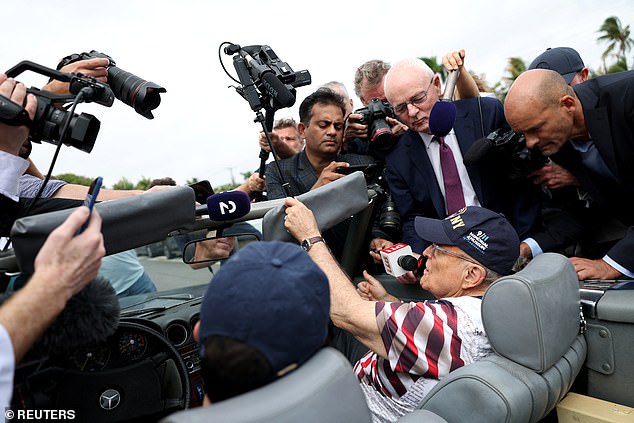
{"points": [[227, 205], [443, 115], [450, 85], [276, 89], [442, 118], [90, 316], [395, 259], [272, 84], [407, 262], [477, 151]]}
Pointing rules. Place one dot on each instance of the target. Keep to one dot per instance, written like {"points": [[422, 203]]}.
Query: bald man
{"points": [[419, 184], [588, 129]]}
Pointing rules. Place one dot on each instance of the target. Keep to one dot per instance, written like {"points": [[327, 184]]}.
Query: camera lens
{"points": [[381, 135], [138, 93], [389, 219]]}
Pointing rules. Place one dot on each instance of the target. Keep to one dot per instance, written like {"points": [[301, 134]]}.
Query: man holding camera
{"points": [[588, 130], [426, 174], [321, 125]]}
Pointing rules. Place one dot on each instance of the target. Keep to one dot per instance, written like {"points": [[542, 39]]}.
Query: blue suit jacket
{"points": [[415, 189]]}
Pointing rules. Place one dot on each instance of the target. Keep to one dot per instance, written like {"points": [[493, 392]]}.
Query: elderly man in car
{"points": [[413, 345]]}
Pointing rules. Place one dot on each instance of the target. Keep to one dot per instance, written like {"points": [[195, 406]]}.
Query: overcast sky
{"points": [[203, 128]]}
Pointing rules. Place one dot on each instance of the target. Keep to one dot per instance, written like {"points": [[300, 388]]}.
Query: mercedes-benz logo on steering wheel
{"points": [[109, 399]]}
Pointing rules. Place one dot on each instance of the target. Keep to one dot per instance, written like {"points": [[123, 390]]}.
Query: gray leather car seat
{"points": [[532, 321], [324, 389]]}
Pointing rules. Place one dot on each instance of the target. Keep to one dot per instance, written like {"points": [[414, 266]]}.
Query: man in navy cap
{"points": [[264, 313], [565, 61], [413, 345]]}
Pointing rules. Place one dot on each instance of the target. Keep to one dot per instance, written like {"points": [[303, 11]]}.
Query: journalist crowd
{"points": [[550, 169]]}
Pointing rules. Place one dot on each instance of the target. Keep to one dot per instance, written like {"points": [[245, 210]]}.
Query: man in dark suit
{"points": [[418, 180], [321, 125], [589, 129]]}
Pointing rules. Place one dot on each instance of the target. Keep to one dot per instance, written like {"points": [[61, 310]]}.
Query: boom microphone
{"points": [[443, 115], [272, 84], [477, 151], [228, 205], [90, 316], [276, 89]]}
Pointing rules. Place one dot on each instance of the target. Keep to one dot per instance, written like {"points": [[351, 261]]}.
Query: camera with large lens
{"points": [[136, 92], [379, 131], [505, 147]]}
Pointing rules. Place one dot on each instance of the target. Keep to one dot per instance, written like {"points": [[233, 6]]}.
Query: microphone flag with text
{"points": [[228, 205]]}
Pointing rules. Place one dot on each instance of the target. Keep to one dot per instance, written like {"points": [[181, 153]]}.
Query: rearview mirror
{"points": [[207, 251]]}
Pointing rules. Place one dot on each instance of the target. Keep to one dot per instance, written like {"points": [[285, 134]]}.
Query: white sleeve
{"points": [[7, 367]]}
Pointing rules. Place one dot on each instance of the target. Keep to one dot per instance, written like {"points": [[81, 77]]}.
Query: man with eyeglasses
{"points": [[426, 174], [413, 345]]}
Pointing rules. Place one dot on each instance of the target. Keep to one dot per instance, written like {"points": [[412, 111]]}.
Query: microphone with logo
{"points": [[398, 260], [228, 205]]}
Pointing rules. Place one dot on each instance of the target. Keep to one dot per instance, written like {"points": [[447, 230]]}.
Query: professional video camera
{"points": [[379, 131], [259, 68], [266, 82], [505, 147], [51, 120], [136, 92]]}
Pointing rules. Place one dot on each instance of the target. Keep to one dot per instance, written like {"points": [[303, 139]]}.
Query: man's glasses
{"points": [[416, 101], [438, 249]]}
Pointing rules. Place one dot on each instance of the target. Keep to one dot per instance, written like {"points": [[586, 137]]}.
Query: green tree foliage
{"points": [[225, 187], [71, 178], [192, 181], [246, 175], [619, 42], [123, 184], [515, 67], [435, 66], [143, 183]]}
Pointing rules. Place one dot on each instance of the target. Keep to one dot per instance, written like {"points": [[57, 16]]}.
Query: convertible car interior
{"points": [[551, 334]]}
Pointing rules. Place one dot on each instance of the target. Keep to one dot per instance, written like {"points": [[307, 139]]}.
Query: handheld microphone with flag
{"points": [[228, 205], [443, 115]]}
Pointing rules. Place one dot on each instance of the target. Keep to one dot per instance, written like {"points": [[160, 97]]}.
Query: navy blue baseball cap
{"points": [[483, 234], [563, 60], [274, 298]]}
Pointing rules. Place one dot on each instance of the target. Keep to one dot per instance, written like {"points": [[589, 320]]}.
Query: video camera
{"points": [[50, 116], [506, 147], [267, 81], [136, 92], [380, 134]]}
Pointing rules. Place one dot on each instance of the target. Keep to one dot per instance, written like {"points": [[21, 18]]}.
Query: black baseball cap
{"points": [[483, 234], [563, 60]]}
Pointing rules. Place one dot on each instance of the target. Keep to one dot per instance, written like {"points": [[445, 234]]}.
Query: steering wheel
{"points": [[153, 385]]}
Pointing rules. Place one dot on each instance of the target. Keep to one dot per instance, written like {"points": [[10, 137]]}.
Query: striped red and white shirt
{"points": [[424, 342]]}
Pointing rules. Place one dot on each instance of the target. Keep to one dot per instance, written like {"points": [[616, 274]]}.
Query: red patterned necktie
{"points": [[453, 188]]}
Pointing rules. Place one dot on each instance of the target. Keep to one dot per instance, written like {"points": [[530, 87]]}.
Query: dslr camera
{"points": [[379, 131], [136, 92], [508, 146]]}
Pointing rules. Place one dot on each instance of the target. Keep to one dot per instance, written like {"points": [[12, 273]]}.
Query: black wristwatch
{"points": [[307, 244]]}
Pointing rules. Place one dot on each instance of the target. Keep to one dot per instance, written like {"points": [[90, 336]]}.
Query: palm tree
{"points": [[435, 66], [616, 36], [515, 67]]}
